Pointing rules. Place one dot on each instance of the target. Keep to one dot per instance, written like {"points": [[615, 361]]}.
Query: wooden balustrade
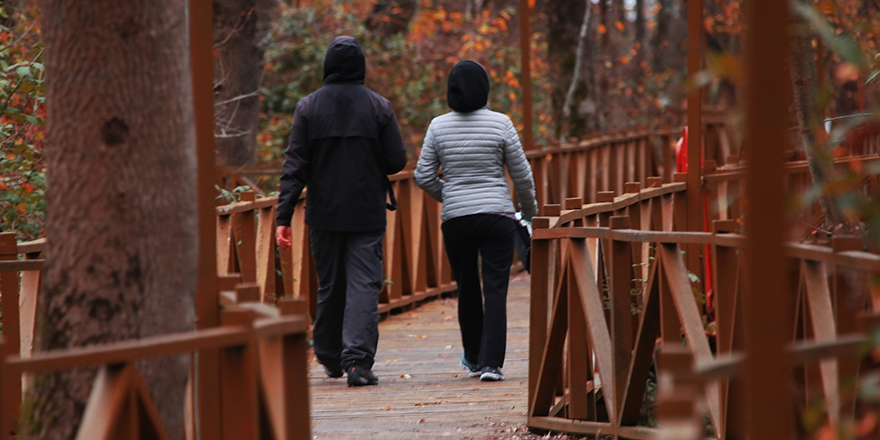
{"points": [[263, 361], [610, 287], [724, 186], [415, 261]]}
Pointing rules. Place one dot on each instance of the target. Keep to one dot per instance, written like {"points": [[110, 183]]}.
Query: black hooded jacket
{"points": [[343, 142]]}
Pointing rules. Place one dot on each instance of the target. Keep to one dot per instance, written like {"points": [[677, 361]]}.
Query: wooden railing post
{"points": [[265, 255], [621, 282], [296, 376], [244, 231], [728, 318], [678, 395], [538, 304], [238, 382], [9, 292], [850, 294]]}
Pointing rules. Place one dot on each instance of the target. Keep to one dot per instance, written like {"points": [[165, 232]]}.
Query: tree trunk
{"points": [[640, 27], [121, 226], [391, 17], [564, 19], [619, 10], [603, 20], [473, 8], [238, 70], [660, 40], [804, 79], [580, 126]]}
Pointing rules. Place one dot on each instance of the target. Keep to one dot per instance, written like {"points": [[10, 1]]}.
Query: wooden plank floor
{"points": [[423, 392]]}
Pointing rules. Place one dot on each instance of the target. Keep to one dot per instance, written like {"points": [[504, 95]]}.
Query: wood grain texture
{"points": [[423, 392]]}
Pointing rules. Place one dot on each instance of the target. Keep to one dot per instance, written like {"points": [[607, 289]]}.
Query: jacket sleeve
{"points": [[427, 167], [295, 170], [393, 148], [520, 172]]}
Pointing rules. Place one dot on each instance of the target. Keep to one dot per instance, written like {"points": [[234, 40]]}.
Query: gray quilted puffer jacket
{"points": [[472, 149]]}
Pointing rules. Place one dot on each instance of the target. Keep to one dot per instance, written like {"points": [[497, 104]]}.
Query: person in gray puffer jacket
{"points": [[472, 145]]}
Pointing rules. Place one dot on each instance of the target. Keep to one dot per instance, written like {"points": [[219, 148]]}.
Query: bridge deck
{"points": [[423, 393]]}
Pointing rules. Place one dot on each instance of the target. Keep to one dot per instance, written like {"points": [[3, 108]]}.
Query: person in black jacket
{"points": [[344, 141]]}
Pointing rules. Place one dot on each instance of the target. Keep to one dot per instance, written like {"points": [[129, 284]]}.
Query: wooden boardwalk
{"points": [[423, 392]]}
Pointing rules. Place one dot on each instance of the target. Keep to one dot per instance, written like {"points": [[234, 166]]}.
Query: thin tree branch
{"points": [[238, 98]]}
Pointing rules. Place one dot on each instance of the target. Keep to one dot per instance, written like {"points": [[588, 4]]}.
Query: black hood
{"points": [[344, 62], [468, 87]]}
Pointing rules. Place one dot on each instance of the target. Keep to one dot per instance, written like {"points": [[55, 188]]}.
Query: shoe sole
{"points": [[471, 373], [491, 377], [362, 383], [357, 380], [334, 374]]}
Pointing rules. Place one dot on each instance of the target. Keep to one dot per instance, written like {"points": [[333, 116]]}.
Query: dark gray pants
{"points": [[350, 276]]}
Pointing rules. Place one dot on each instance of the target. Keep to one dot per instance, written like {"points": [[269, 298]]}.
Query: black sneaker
{"points": [[359, 376], [472, 370], [333, 371], [491, 374]]}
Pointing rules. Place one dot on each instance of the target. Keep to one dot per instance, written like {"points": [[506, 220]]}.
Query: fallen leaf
{"points": [[421, 421], [405, 376]]}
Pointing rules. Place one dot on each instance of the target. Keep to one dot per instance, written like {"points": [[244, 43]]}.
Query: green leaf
{"points": [[873, 76], [847, 48], [23, 71]]}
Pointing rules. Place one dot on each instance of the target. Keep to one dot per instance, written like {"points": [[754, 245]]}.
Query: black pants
{"points": [[350, 275], [482, 315]]}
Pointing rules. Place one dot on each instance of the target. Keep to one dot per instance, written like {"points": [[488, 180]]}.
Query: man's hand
{"points": [[282, 237]]}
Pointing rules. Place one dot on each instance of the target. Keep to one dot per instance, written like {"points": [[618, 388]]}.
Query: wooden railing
{"points": [[610, 286], [262, 363], [415, 261], [608, 278], [723, 186]]}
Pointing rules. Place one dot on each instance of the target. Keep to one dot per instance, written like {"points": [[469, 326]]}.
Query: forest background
{"points": [[629, 55]]}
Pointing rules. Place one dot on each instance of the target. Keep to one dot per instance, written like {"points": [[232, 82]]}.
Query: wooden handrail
{"points": [[626, 238]]}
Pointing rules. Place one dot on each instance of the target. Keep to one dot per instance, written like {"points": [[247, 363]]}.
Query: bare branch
{"points": [[253, 94]]}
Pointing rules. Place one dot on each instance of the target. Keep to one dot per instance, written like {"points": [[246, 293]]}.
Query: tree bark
{"points": [[619, 10], [239, 25], [563, 23], [660, 40], [640, 26], [804, 79], [391, 17], [120, 150], [575, 75], [603, 20]]}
